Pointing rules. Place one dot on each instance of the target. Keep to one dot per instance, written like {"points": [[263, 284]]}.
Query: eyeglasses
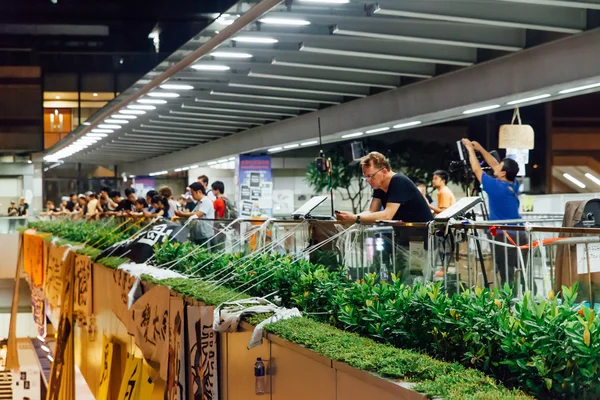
{"points": [[368, 177]]}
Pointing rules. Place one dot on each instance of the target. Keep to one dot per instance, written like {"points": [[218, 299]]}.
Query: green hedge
{"points": [[549, 348]]}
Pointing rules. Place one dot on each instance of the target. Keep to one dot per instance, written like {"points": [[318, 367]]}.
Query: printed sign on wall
{"points": [[255, 197], [83, 286]]}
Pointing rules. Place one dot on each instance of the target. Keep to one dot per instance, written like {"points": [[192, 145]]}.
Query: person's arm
{"points": [[26, 214], [473, 159], [435, 209], [373, 214], [489, 159], [199, 214]]}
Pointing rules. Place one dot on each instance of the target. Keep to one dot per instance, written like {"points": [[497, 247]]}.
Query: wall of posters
{"points": [[255, 196], [132, 379]]}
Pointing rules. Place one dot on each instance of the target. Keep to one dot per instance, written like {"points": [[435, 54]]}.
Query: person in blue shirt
{"points": [[503, 198]]}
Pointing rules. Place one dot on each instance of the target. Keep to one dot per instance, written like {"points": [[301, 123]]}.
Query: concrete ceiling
{"points": [[361, 68]]}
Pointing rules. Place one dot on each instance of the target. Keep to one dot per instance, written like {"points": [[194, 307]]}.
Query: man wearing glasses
{"points": [[395, 196]]}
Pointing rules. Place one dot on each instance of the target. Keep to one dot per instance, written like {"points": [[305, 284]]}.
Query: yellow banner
{"points": [[33, 256], [105, 368], [130, 385]]}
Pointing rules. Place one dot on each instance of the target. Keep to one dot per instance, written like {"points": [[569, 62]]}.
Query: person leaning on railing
{"points": [[503, 197]]}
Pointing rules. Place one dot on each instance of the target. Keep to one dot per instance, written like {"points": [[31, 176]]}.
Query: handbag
{"points": [[516, 136]]}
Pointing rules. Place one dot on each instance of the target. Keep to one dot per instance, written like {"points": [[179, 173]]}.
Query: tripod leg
{"points": [[486, 283]]}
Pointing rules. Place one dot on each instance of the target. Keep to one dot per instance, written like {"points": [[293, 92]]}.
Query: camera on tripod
{"points": [[463, 166]]}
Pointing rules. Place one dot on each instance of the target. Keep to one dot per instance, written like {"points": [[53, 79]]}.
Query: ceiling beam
{"points": [[519, 15], [574, 60], [586, 4]]}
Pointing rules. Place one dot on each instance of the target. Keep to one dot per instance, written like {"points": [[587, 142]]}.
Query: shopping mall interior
{"points": [[225, 199]]}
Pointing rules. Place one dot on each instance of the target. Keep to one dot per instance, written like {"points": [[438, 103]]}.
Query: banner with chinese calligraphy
{"points": [[208, 356], [33, 256], [83, 286], [149, 324], [131, 382], [176, 389], [147, 386], [38, 309], [122, 283], [194, 333], [53, 283], [105, 368], [62, 372]]}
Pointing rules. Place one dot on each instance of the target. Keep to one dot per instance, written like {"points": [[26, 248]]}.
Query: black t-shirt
{"points": [[11, 209], [125, 205], [23, 209], [70, 206], [190, 205], [413, 207]]}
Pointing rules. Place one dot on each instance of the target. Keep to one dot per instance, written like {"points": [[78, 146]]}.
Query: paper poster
{"points": [[105, 368], [132, 379], [147, 386], [208, 355], [122, 283], [33, 257], [53, 284], [176, 389], [521, 156], [256, 186], [582, 260], [26, 383], [63, 365], [194, 330], [150, 325], [83, 286], [38, 309]]}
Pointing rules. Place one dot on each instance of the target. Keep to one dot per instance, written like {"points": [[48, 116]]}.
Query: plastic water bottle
{"points": [[383, 273], [259, 377]]}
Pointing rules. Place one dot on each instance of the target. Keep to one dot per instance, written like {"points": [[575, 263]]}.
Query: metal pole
{"points": [[589, 274]]}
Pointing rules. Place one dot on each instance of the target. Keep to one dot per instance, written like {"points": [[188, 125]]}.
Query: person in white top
{"points": [[167, 193], [203, 179], [201, 231]]}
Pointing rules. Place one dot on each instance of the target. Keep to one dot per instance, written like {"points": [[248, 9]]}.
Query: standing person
{"points": [[160, 206], [218, 189], [395, 197], [167, 193], [72, 204], [13, 211], [92, 205], [128, 203], [202, 230], [203, 179], [502, 190], [64, 201], [149, 195], [23, 208], [82, 207], [445, 197]]}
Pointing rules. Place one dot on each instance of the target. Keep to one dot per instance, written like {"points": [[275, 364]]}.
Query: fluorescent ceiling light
{"points": [[132, 112], [381, 56], [577, 89], [525, 100], [223, 160], [132, 176], [193, 166], [315, 80], [377, 130], [231, 158], [152, 101], [230, 54], [275, 149], [575, 181], [255, 39], [309, 143], [102, 130], [291, 146], [351, 135], [163, 94], [285, 21], [173, 86], [480, 109], [241, 111], [109, 126], [123, 116], [295, 90], [96, 135], [593, 178], [326, 1], [210, 67], [276, 98], [407, 124], [86, 123], [347, 69], [178, 169], [239, 117], [140, 107], [211, 163], [116, 121]]}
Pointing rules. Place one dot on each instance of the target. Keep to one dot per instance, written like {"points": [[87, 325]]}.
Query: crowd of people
{"points": [[200, 199]]}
